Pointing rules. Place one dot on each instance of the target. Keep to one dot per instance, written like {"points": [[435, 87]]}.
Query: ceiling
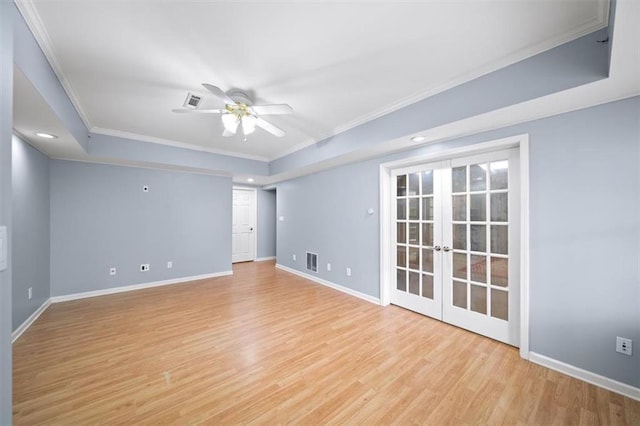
{"points": [[126, 64], [31, 114]]}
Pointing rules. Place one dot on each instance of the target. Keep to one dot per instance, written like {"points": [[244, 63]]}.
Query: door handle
{"points": [[445, 248], [250, 229], [437, 248]]}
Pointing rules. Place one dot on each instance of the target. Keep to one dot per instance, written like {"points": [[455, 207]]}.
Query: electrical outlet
{"points": [[112, 271], [30, 293], [169, 264], [144, 267], [624, 346], [294, 257], [348, 272], [328, 267]]}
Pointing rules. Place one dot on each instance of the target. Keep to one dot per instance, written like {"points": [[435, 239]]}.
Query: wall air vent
{"points": [[312, 262], [192, 101]]}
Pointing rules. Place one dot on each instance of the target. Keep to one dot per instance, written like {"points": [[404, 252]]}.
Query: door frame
{"points": [[254, 239], [518, 141]]}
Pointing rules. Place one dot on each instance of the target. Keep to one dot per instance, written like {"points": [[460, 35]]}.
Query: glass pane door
{"points": [[417, 227], [456, 242], [481, 247]]}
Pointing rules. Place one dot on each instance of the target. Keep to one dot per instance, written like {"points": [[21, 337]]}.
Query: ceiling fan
{"points": [[239, 113]]}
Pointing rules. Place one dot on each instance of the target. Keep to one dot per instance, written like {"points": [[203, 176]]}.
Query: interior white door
{"points": [[481, 245], [417, 232], [456, 242], [244, 217]]}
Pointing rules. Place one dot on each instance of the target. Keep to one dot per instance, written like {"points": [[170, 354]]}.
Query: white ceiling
{"points": [[126, 64]]}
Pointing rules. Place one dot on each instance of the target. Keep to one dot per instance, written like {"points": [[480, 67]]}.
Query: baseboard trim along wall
{"points": [[262, 259], [76, 296], [553, 364], [586, 376], [57, 299], [32, 318], [334, 286]]}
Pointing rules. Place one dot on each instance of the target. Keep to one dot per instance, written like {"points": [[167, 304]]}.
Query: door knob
{"points": [[250, 229], [437, 248], [445, 248]]}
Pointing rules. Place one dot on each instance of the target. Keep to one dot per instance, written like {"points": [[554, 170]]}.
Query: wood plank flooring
{"points": [[265, 347]]}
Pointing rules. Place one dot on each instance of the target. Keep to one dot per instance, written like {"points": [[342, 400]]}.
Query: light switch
{"points": [[3, 248]]}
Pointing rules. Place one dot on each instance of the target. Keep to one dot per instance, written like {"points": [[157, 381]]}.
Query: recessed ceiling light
{"points": [[418, 138], [250, 180], [46, 135]]}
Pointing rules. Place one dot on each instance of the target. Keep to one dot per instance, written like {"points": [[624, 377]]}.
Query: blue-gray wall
{"points": [[35, 66], [266, 223], [101, 218], [584, 223], [6, 133], [326, 213], [30, 174], [109, 147], [572, 64]]}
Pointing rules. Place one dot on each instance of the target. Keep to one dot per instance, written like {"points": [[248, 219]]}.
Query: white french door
{"points": [[456, 242], [418, 230]]}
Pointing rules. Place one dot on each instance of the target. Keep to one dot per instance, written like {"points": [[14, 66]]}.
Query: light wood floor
{"points": [[265, 346]]}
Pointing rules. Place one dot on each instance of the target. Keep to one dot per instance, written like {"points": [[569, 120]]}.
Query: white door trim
{"points": [[254, 238], [517, 141]]}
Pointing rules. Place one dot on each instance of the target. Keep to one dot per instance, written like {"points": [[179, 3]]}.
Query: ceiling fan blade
{"points": [[271, 128], [276, 109], [227, 134], [219, 93], [198, 111]]}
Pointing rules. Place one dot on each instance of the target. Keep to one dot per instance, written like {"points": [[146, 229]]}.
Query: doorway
{"points": [[454, 242], [244, 213]]}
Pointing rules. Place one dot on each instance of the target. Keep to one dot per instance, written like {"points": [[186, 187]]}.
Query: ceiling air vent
{"points": [[192, 101]]}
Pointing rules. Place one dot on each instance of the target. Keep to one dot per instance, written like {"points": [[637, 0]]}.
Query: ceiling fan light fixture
{"points": [[249, 124], [238, 110], [230, 122]]}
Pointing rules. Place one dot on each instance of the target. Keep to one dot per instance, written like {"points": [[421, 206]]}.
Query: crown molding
{"points": [[31, 16], [105, 161], [594, 25], [302, 145], [525, 112], [175, 144], [598, 23], [28, 10]]}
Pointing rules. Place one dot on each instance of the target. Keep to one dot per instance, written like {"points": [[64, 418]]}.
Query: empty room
{"points": [[320, 212]]}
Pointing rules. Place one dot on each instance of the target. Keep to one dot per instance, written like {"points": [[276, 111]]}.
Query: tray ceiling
{"points": [[125, 65]]}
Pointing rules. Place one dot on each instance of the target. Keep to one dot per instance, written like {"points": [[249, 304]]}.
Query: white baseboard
{"points": [[334, 286], [586, 376], [84, 295], [262, 259], [32, 318]]}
